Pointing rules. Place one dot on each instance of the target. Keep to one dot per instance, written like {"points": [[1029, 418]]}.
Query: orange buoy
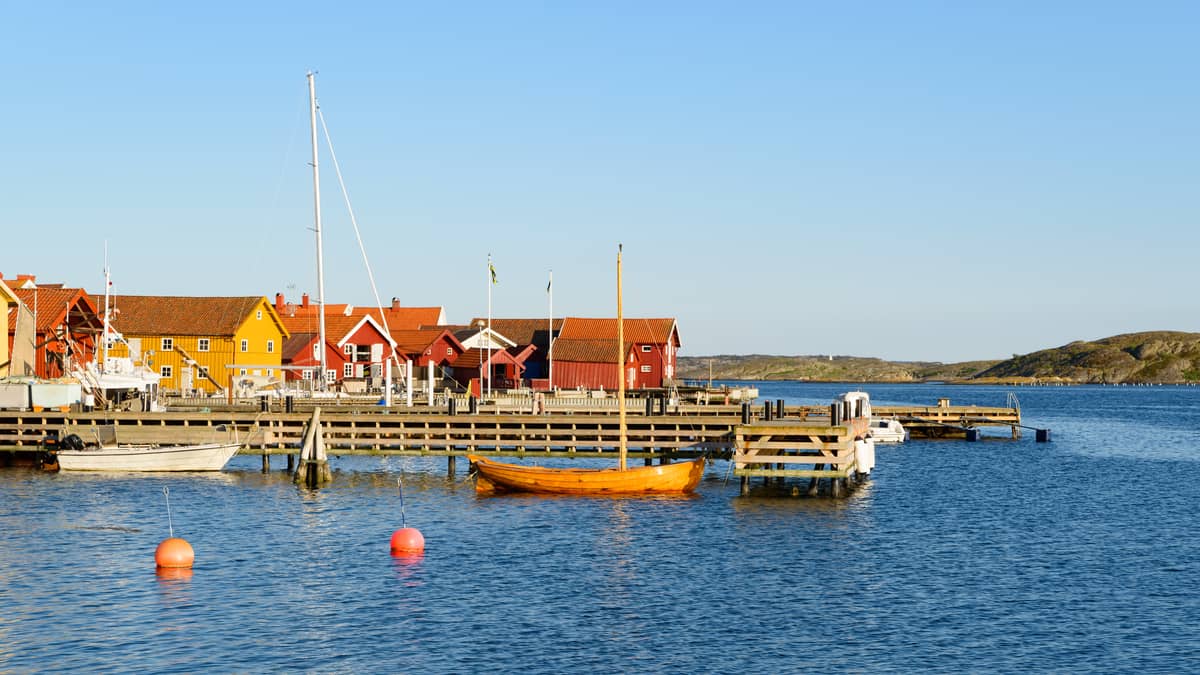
{"points": [[408, 540], [174, 552]]}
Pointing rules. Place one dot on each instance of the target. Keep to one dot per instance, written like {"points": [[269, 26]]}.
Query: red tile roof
{"points": [[587, 351], [417, 341], [51, 304], [398, 318], [638, 331], [173, 315]]}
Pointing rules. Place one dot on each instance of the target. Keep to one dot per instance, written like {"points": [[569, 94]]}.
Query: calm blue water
{"points": [[1077, 555]]}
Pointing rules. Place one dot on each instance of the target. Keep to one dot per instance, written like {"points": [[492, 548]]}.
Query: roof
{"points": [[51, 304], [338, 327], [398, 318], [176, 315], [523, 331], [588, 351], [638, 331], [296, 343], [417, 341], [473, 358]]}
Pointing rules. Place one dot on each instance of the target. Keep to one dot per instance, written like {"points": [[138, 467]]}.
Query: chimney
{"points": [[278, 301], [304, 300], [395, 303]]}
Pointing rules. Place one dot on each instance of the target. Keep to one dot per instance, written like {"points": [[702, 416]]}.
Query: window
{"points": [[347, 349], [245, 345], [647, 348], [203, 372], [306, 374], [165, 371], [202, 345], [449, 351], [270, 346], [331, 375], [168, 344], [316, 351], [241, 371], [348, 370], [645, 369], [258, 315]]}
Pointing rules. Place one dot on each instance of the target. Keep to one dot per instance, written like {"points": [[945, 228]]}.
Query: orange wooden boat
{"points": [[680, 478], [498, 477]]}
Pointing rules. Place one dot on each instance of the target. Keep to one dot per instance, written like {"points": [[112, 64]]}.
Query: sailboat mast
{"points": [[107, 285], [312, 112], [620, 363]]}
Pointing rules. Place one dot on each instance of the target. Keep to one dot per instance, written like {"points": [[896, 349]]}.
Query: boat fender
{"points": [[73, 442]]}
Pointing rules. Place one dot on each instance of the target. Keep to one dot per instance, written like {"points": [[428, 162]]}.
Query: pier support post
{"points": [[649, 406], [291, 463], [745, 413], [767, 411], [814, 483], [779, 412], [450, 466], [266, 461], [745, 485]]}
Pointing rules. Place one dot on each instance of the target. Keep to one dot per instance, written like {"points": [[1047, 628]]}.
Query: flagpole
{"points": [[550, 347], [490, 277]]}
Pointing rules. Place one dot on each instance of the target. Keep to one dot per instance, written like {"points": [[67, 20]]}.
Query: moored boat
{"points": [[498, 477], [887, 430], [199, 457]]}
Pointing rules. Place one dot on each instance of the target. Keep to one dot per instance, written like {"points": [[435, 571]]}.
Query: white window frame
{"points": [[306, 374], [166, 372], [646, 369], [449, 351], [168, 344], [203, 344], [347, 370], [331, 375], [258, 315], [348, 349], [647, 348], [245, 345], [270, 346], [241, 371], [316, 350]]}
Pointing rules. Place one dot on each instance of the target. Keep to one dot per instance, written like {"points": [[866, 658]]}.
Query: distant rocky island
{"points": [[1159, 357]]}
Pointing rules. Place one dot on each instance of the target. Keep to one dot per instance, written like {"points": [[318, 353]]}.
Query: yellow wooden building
{"points": [[200, 345]]}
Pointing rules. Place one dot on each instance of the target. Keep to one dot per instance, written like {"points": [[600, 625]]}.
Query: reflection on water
{"points": [[1000, 556]]}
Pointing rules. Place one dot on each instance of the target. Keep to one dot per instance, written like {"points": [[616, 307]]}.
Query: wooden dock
{"points": [[776, 450], [767, 440]]}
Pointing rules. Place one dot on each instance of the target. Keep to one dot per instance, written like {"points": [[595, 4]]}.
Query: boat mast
{"points": [[107, 285], [620, 363], [312, 112]]}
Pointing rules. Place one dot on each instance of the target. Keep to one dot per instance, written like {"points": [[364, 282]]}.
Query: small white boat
{"points": [[203, 457], [887, 430], [74, 455]]}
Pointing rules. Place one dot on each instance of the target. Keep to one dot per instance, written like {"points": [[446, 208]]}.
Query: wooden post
{"points": [[291, 463], [745, 485], [450, 465], [266, 461]]}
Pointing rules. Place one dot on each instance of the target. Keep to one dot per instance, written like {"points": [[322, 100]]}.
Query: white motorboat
{"points": [[887, 430], [74, 455]]}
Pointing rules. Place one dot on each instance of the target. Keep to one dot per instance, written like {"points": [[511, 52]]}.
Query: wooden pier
{"points": [[768, 440], [775, 450]]}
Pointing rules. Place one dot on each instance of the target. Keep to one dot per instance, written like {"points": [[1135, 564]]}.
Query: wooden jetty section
{"points": [[777, 450]]}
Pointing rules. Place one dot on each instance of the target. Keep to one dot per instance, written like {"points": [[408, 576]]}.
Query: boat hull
{"points": [[678, 478], [203, 457]]}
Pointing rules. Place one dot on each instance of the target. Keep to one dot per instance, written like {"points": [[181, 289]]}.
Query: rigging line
{"points": [[337, 168], [287, 159]]}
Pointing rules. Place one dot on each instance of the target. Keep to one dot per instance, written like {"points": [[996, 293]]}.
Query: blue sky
{"points": [[925, 180]]}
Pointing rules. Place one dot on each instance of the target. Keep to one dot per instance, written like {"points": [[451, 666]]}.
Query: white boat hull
{"points": [[203, 457]]}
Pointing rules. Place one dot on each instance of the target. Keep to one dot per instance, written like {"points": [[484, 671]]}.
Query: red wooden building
{"points": [[65, 325], [354, 346], [585, 353]]}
